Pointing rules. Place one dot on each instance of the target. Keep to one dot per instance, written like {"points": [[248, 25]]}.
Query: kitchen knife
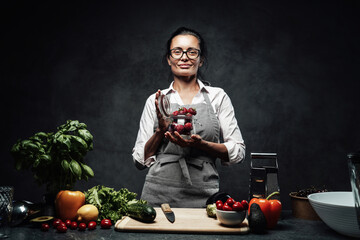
{"points": [[165, 207]]}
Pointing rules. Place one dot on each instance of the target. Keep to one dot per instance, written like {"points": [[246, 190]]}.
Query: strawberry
{"points": [[175, 113], [192, 111], [188, 126], [188, 114], [179, 128], [182, 111], [172, 127]]}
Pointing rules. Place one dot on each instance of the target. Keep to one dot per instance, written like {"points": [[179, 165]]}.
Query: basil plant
{"points": [[56, 159]]}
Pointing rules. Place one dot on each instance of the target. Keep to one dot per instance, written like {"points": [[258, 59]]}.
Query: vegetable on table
{"points": [[142, 212], [111, 204], [105, 223], [87, 213], [270, 208], [211, 210], [256, 219], [67, 204]]}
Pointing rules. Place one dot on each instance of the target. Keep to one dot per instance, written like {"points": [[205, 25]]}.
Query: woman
{"points": [[182, 172]]}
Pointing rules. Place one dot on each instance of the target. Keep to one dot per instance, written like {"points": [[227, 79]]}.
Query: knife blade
{"points": [[169, 214]]}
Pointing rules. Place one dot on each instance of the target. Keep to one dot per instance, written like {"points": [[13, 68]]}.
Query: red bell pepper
{"points": [[270, 208]]}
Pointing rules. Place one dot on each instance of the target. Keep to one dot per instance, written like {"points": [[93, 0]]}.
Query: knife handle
{"points": [[166, 208]]}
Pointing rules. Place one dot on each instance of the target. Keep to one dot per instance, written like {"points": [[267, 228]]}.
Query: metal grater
{"points": [[263, 175]]}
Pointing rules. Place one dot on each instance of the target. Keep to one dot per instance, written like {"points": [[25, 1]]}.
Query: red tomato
{"points": [[226, 207], [245, 204], [219, 201], [219, 205], [230, 201], [56, 222], [45, 227], [82, 226], [68, 223], [105, 223], [237, 206], [74, 225], [92, 225], [61, 228]]}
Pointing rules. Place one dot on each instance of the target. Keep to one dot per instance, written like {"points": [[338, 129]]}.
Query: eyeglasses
{"points": [[191, 53]]}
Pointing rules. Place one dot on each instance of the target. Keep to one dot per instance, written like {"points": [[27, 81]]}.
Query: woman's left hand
{"points": [[177, 139]]}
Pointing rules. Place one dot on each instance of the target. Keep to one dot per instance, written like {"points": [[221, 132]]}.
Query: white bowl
{"points": [[230, 218], [337, 210]]}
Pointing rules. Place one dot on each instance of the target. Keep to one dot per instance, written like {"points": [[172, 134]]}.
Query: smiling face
{"points": [[184, 67]]}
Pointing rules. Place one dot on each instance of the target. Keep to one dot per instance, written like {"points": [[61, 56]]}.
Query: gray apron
{"points": [[185, 177]]}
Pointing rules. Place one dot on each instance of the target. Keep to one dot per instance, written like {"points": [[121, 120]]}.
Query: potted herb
{"points": [[56, 159]]}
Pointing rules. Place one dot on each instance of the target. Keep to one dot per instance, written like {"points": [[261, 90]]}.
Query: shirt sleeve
{"points": [[233, 140], [146, 130]]}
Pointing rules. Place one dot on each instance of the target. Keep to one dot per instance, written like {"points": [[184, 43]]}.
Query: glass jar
{"points": [[181, 120]]}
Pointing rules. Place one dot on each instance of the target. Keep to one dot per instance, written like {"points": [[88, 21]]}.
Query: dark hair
{"points": [[203, 50]]}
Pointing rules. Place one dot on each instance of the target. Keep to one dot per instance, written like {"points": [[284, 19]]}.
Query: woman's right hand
{"points": [[163, 123]]}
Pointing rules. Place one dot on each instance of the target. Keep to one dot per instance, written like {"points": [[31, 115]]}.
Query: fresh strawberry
{"points": [[175, 113], [188, 126], [188, 114], [182, 111], [172, 127], [179, 128], [192, 111]]}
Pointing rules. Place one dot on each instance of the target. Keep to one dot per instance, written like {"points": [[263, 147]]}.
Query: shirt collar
{"points": [[201, 85]]}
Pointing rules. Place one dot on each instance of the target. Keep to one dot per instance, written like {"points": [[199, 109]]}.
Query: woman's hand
{"points": [[176, 138], [215, 149], [163, 124]]}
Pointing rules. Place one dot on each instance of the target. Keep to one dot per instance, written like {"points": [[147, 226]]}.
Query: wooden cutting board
{"points": [[187, 220]]}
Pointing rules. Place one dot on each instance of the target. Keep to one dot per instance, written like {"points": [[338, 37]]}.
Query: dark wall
{"points": [[291, 69]]}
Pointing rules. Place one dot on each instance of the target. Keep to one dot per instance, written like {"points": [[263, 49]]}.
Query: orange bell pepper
{"points": [[270, 208], [67, 203]]}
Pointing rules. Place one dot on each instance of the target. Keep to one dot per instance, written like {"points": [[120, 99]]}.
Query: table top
{"points": [[288, 228]]}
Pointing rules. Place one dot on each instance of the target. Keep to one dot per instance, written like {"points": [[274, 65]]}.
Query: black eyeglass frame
{"points": [[185, 51]]}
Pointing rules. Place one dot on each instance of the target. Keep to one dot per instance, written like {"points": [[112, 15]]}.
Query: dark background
{"points": [[291, 69]]}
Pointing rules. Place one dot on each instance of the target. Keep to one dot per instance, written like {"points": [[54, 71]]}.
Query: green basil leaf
{"points": [[45, 157], [87, 170], [85, 134], [79, 143], [82, 125], [75, 169], [65, 165], [36, 163]]}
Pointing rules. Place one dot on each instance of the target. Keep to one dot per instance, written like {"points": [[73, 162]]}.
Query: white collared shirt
{"points": [[223, 109]]}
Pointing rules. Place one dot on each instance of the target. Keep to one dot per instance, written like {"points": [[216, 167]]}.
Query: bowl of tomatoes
{"points": [[231, 212]]}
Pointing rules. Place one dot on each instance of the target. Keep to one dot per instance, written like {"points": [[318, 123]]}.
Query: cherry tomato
{"points": [[219, 206], [230, 201], [226, 207], [68, 223], [61, 228], [45, 227], [56, 222], [237, 206], [245, 204], [219, 201], [82, 226], [74, 225], [105, 223], [92, 225]]}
